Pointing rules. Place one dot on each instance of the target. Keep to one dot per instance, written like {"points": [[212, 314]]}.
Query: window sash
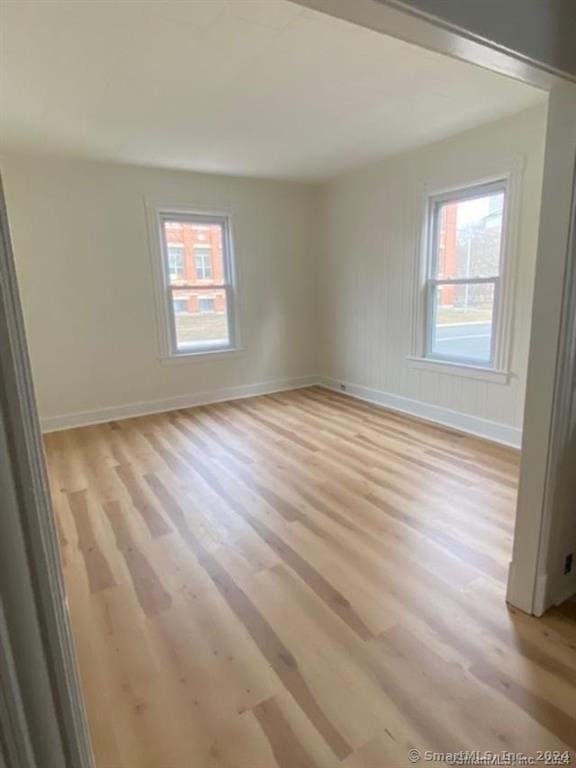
{"points": [[227, 285], [431, 287], [460, 196], [197, 346]]}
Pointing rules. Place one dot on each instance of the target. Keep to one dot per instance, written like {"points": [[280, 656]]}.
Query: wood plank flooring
{"points": [[300, 580]]}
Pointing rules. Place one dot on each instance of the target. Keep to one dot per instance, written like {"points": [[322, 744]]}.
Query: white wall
{"points": [[372, 221], [83, 261]]}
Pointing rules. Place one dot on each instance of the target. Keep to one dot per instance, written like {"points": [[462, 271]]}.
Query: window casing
{"points": [[465, 261], [196, 292]]}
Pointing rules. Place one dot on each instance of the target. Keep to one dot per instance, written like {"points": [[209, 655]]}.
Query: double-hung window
{"points": [[464, 275], [198, 285]]}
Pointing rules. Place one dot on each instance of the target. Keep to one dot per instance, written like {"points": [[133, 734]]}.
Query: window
{"points": [[206, 304], [463, 280], [180, 306], [198, 285], [203, 256], [176, 261]]}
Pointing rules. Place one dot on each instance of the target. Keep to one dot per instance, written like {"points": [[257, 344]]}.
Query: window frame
{"points": [[427, 193], [435, 202], [166, 318]]}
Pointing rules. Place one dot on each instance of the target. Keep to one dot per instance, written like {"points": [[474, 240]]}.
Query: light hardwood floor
{"points": [[300, 580]]}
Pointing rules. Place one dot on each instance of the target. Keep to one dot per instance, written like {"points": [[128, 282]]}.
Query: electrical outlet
{"points": [[568, 563]]}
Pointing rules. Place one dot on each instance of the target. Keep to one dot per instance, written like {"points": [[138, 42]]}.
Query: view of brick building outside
{"points": [[195, 258], [195, 263], [468, 246], [469, 250]]}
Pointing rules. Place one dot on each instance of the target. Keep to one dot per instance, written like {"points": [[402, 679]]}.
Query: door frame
{"points": [[543, 434], [535, 579], [40, 581], [550, 369]]}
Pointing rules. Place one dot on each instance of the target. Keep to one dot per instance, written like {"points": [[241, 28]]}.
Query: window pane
{"points": [[462, 322], [194, 253], [469, 237], [201, 318]]}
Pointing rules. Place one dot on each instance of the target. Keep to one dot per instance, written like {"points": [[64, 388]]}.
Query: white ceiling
{"points": [[250, 87]]}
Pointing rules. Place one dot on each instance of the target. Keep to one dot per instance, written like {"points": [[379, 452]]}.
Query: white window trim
{"points": [[169, 354], [499, 372]]}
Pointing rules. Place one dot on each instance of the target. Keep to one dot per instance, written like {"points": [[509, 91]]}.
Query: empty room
{"points": [[281, 288]]}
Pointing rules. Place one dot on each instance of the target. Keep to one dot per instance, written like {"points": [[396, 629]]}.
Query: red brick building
{"points": [[195, 259]]}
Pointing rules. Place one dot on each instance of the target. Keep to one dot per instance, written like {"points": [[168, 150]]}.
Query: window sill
{"points": [[190, 357], [459, 369]]}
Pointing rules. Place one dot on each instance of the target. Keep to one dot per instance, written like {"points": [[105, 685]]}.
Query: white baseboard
{"points": [[114, 413], [462, 422], [473, 425], [546, 595], [567, 591]]}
